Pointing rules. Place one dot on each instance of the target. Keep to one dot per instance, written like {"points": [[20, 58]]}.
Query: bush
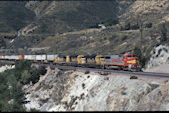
{"points": [[111, 22], [11, 82], [94, 26], [13, 92], [163, 30], [36, 72], [34, 110], [142, 58], [134, 27], [127, 26], [23, 65], [87, 72], [149, 25], [133, 77], [25, 77]]}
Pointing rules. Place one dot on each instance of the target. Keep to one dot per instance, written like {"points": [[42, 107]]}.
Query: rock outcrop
{"points": [[61, 90], [160, 55], [6, 67]]}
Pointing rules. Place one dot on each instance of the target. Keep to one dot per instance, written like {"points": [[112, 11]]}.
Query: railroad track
{"points": [[102, 71], [108, 71]]}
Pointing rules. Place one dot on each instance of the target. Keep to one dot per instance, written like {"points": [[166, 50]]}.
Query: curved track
{"points": [[108, 71], [103, 71]]}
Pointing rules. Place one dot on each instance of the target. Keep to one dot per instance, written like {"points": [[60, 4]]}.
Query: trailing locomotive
{"points": [[126, 61]]}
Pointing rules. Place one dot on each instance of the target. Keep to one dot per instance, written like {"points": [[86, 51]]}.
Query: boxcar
{"points": [[11, 57], [30, 57], [51, 57], [41, 57], [20, 57], [2, 57]]}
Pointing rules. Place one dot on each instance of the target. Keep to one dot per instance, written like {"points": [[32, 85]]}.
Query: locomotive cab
{"points": [[131, 61]]}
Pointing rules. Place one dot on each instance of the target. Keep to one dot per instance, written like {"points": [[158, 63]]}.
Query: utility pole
{"points": [[140, 23], [141, 35]]}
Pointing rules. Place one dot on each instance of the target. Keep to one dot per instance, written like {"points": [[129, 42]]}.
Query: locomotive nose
{"points": [[136, 60]]}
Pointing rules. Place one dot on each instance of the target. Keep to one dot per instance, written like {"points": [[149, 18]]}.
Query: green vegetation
{"points": [[11, 82], [149, 25], [141, 57], [129, 26], [163, 31], [108, 22], [74, 15], [14, 16], [133, 77]]}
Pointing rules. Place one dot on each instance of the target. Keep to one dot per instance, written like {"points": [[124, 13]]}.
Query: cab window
{"points": [[129, 56], [107, 57], [134, 56]]}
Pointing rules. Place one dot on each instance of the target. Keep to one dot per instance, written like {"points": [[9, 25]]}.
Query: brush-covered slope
{"points": [[65, 26], [14, 16], [64, 16]]}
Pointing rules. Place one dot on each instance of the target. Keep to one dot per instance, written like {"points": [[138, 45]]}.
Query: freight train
{"points": [[127, 61]]}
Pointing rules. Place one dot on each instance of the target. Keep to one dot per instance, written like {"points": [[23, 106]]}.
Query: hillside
{"points": [[68, 90], [14, 16], [62, 16], [71, 27]]}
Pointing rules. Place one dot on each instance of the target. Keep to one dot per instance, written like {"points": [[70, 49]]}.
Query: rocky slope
{"points": [[147, 11], [159, 55], [159, 59], [61, 90], [6, 67]]}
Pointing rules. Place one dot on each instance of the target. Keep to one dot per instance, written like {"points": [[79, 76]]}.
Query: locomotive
{"points": [[127, 61]]}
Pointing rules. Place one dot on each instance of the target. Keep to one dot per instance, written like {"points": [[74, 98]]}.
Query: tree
{"points": [[149, 25], [127, 26], [139, 54], [21, 65], [25, 77], [163, 32], [135, 26]]}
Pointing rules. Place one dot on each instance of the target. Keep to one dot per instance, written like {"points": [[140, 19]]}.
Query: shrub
{"points": [[16, 78], [87, 72], [23, 65], [149, 25], [133, 77], [134, 27], [36, 72], [163, 31], [142, 58], [127, 26], [34, 110], [25, 77], [111, 22]]}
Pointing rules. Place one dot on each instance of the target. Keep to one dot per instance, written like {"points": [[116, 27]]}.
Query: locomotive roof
{"points": [[73, 55], [90, 56], [62, 56]]}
